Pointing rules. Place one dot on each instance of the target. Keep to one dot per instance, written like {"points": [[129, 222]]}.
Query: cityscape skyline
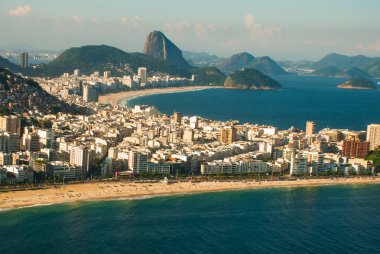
{"points": [[292, 31]]}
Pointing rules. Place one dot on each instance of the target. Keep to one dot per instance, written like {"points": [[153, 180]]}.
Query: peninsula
{"points": [[358, 84], [250, 79]]}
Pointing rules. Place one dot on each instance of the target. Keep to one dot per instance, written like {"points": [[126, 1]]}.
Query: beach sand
{"points": [[122, 189], [115, 99]]}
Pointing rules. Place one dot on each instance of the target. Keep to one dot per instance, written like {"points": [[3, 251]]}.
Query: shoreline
{"points": [[119, 98], [120, 190]]}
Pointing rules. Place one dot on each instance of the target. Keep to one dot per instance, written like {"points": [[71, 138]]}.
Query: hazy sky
{"points": [[283, 29]]}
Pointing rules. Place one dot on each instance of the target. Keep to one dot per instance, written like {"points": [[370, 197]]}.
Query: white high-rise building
{"points": [[83, 157], [141, 72], [77, 72], [138, 162], [89, 93], [373, 136]]}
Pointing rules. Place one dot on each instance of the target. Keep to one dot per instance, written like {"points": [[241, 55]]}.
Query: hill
{"points": [[236, 62], [209, 76], [358, 83], [19, 95], [250, 79], [267, 66], [6, 64], [160, 47], [245, 60], [332, 71], [371, 65], [102, 58]]}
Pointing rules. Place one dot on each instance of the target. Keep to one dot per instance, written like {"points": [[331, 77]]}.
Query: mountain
{"points": [[267, 66], [332, 71], [236, 62], [18, 95], [373, 68], [6, 64], [359, 84], [371, 65], [343, 61], [245, 60], [160, 47], [102, 57], [202, 59], [250, 79], [209, 76]]}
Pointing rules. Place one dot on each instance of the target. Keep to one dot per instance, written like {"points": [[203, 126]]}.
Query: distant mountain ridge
{"points": [[332, 71], [370, 65], [160, 47], [245, 60]]}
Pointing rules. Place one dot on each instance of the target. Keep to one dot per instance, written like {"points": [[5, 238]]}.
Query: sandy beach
{"points": [[116, 190], [115, 99]]}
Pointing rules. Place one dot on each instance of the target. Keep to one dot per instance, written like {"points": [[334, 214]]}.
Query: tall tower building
{"points": [[106, 74], [177, 118], [310, 128], [89, 93], [141, 72], [373, 136], [77, 72], [11, 124], [23, 60], [227, 135], [138, 162]]}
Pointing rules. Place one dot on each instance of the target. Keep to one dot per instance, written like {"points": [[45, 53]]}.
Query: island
{"points": [[250, 79], [359, 84]]}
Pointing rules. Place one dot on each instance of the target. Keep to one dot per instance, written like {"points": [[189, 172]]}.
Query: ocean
{"points": [[304, 98], [328, 219]]}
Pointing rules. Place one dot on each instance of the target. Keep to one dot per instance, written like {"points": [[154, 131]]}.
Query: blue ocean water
{"points": [[303, 98], [329, 219]]}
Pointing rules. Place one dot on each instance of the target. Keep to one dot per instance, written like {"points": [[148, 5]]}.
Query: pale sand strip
{"points": [[116, 98], [116, 190]]}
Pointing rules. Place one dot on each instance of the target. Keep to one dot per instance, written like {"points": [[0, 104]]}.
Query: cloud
{"points": [[320, 43], [259, 32], [77, 19], [131, 22], [20, 11], [373, 47]]}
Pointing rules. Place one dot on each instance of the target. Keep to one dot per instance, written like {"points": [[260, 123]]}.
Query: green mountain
{"points": [[236, 62], [371, 65], [209, 76], [358, 83], [160, 47], [332, 71], [102, 58], [267, 66], [250, 79], [6, 64], [245, 60], [373, 68]]}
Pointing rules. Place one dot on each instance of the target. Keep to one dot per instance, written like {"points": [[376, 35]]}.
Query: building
{"points": [[9, 142], [11, 124], [310, 128], [23, 60], [77, 72], [89, 93], [107, 74], [355, 148], [227, 135], [141, 73], [83, 157], [177, 118], [373, 136], [31, 142], [138, 162]]}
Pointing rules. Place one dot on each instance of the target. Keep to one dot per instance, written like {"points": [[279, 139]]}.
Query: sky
{"points": [[282, 29]]}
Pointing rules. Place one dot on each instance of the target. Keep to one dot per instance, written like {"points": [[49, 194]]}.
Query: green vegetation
{"points": [[332, 71], [103, 58], [250, 79], [375, 157], [209, 76], [266, 65], [358, 83]]}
